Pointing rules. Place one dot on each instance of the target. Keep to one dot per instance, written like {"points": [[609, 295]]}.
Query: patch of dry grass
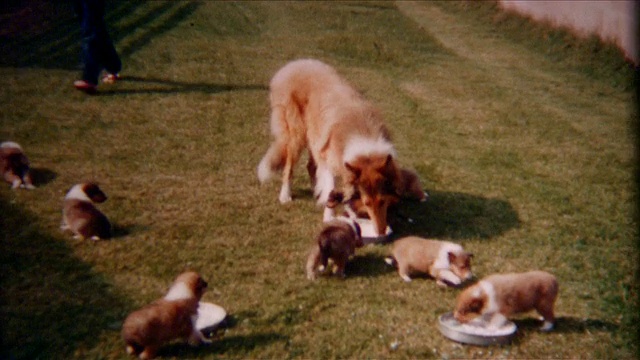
{"points": [[528, 161]]}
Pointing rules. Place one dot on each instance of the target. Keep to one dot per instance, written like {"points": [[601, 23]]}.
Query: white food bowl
{"points": [[210, 317], [369, 233], [475, 332]]}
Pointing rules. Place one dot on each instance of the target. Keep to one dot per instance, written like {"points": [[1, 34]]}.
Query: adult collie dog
{"points": [[313, 108]]}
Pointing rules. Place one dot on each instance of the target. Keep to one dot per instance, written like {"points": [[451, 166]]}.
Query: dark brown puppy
{"points": [[170, 318], [337, 241], [81, 217]]}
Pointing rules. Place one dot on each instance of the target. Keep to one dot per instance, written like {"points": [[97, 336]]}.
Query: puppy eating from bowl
{"points": [[81, 216], [498, 296], [337, 241], [170, 318], [445, 261]]}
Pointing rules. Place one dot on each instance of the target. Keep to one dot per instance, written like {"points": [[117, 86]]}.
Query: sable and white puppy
{"points": [[15, 166], [169, 318], [337, 241], [445, 261], [80, 215], [502, 295]]}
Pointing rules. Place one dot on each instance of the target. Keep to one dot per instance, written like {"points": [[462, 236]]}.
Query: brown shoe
{"points": [[85, 87]]}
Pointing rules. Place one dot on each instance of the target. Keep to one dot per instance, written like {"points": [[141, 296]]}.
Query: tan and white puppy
{"points": [[337, 241], [169, 318], [80, 215], [15, 166], [445, 261], [502, 295]]}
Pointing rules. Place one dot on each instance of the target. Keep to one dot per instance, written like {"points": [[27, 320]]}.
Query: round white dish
{"points": [[369, 233], [210, 317], [475, 332]]}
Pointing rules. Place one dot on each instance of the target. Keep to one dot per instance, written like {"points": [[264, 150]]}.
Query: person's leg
{"points": [[108, 54], [90, 42]]}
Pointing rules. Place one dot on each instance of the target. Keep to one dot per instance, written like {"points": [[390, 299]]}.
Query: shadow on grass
{"points": [[452, 215], [46, 34], [299, 193], [152, 23], [367, 265], [52, 302], [564, 325], [226, 344], [42, 176], [569, 325], [164, 86], [123, 230]]}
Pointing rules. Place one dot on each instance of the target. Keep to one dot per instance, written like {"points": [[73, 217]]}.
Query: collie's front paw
{"points": [[284, 198], [285, 195]]}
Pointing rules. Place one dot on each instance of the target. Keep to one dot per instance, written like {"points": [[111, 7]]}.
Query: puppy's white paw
{"points": [[197, 338], [405, 277], [547, 326], [448, 278], [328, 214]]}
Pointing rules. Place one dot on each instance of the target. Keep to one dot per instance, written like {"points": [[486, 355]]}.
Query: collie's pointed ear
{"points": [[389, 160], [356, 171], [389, 166]]}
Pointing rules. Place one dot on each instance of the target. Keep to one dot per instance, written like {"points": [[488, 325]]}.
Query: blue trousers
{"points": [[98, 52]]}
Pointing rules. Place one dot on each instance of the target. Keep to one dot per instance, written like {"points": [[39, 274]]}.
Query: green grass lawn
{"points": [[524, 138]]}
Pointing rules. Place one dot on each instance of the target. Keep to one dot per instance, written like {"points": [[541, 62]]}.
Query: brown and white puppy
{"points": [[445, 261], [169, 318], [337, 241], [80, 215], [502, 295], [15, 166]]}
